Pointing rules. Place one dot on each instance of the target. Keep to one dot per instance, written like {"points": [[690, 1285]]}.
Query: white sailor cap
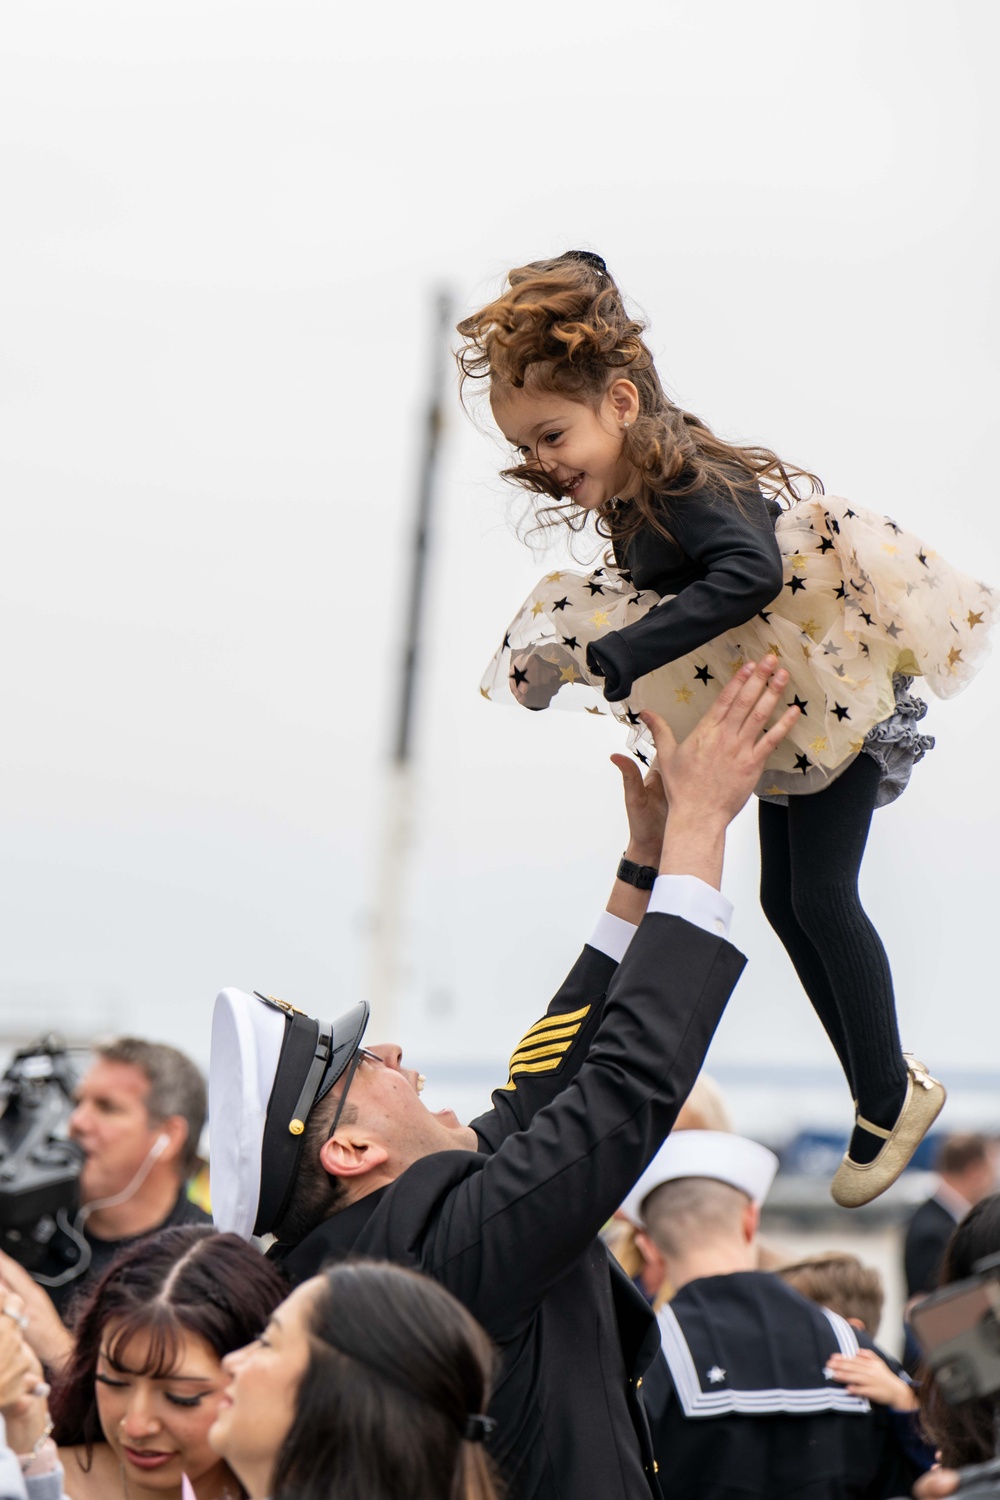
{"points": [[270, 1065], [743, 1163]]}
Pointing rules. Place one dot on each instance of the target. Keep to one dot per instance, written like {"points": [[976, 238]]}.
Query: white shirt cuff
{"points": [[612, 936], [688, 897]]}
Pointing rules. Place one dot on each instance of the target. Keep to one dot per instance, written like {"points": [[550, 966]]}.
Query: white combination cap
{"points": [[270, 1064]]}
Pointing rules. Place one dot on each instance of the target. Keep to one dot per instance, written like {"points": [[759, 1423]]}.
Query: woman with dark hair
{"points": [[131, 1410], [969, 1433], [369, 1383]]}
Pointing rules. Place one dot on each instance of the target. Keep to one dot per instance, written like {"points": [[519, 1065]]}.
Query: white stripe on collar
{"points": [[698, 1403]]}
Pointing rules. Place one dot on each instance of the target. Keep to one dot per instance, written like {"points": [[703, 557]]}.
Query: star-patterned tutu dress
{"points": [[863, 607]]}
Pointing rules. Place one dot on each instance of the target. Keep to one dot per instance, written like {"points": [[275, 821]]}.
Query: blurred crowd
{"points": [[151, 1355]]}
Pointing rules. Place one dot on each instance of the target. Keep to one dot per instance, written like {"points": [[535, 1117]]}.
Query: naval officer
{"points": [[326, 1144]]}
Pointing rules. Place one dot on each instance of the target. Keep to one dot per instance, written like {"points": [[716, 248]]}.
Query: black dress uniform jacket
{"points": [[723, 563], [512, 1231], [927, 1236], [741, 1408]]}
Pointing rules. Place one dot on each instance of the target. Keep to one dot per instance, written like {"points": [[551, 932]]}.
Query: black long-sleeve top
{"points": [[724, 566]]}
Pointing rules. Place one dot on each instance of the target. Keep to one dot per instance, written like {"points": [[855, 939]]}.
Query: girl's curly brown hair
{"points": [[561, 325]]}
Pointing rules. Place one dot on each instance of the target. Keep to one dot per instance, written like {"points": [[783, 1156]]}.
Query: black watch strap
{"points": [[641, 876]]}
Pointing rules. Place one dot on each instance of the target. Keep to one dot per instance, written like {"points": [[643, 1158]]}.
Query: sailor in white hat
{"points": [[744, 1400]]}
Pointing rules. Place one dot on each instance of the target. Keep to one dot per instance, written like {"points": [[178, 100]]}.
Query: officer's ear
{"points": [[651, 1255], [347, 1154]]}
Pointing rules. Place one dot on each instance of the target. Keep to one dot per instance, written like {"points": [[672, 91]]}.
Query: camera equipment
{"points": [[39, 1165], [959, 1332]]}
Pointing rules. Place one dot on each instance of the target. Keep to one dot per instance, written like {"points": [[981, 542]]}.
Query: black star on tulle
{"points": [[801, 704], [893, 630], [704, 675], [865, 648], [632, 718], [635, 598], [922, 558], [802, 763], [850, 515], [595, 588], [893, 527], [765, 615], [841, 712], [506, 642], [597, 573], [625, 575], [795, 584], [644, 758], [834, 525], [841, 593], [826, 545], [571, 641], [561, 604], [518, 676], [831, 650], [866, 617]]}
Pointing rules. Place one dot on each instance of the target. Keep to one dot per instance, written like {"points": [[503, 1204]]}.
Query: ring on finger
{"points": [[19, 1318]]}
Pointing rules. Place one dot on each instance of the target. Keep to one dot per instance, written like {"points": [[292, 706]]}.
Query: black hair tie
{"points": [[478, 1428], [590, 259]]}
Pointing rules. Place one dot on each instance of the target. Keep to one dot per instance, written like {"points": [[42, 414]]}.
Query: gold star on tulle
{"points": [[739, 662], [973, 619], [683, 694], [538, 607], [774, 648], [553, 578], [819, 743], [798, 561], [954, 657], [857, 746], [810, 628], [772, 791], [570, 674], [485, 693], [888, 547], [599, 617], [596, 711]]}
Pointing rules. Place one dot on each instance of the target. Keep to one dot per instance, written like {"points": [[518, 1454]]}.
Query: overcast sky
{"points": [[224, 223]]}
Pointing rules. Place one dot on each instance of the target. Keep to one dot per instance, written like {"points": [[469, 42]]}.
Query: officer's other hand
{"points": [[712, 773], [645, 808]]}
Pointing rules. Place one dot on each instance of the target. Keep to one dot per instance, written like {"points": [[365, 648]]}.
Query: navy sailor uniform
{"points": [[512, 1230], [740, 1403]]}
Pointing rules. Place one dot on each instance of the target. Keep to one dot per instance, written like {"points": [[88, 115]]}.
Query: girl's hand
{"points": [[867, 1375], [645, 808]]}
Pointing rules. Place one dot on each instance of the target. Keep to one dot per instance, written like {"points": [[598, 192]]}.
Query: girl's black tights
{"points": [[811, 853]]}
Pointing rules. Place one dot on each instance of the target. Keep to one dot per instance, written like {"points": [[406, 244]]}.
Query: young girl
{"points": [[705, 571]]}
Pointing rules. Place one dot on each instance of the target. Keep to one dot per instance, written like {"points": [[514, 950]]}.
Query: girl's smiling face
{"points": [[577, 444], [157, 1425]]}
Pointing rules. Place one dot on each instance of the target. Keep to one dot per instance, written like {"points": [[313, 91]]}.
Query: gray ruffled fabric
{"points": [[895, 743]]}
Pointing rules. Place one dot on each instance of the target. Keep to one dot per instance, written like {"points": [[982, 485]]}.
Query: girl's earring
{"points": [[625, 426]]}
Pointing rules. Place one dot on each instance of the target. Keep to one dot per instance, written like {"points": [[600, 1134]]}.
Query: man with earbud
{"points": [[140, 1109]]}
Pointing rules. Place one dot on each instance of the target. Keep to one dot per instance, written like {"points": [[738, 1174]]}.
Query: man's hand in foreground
{"points": [[710, 775]]}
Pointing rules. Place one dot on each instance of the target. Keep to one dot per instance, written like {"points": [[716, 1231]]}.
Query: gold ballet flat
{"points": [[859, 1182]]}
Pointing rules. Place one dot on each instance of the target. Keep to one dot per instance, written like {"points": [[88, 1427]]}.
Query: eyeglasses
{"points": [[352, 1068]]}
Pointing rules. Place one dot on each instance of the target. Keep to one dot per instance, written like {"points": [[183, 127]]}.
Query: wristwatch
{"points": [[641, 876]]}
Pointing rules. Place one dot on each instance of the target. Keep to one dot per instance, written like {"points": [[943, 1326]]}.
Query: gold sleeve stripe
{"points": [[565, 1020], [546, 1038], [535, 1054], [532, 1067]]}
